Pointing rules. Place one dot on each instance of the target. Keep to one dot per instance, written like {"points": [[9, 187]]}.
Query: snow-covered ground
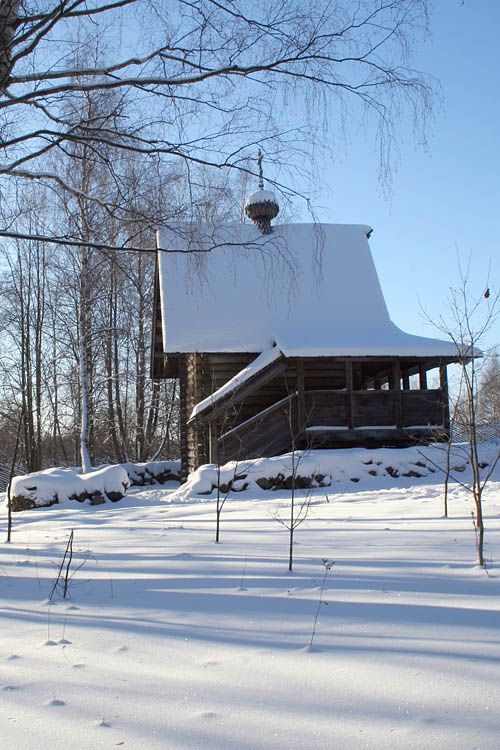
{"points": [[172, 642]]}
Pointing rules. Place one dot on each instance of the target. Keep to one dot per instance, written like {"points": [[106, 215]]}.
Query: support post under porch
{"points": [[301, 403], [422, 377], [396, 386], [349, 390], [443, 382], [213, 442]]}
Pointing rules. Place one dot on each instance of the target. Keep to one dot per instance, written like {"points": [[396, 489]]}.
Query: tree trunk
{"points": [[140, 369], [84, 367], [9, 11], [108, 364]]}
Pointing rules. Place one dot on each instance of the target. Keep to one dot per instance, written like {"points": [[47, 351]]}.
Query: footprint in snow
{"points": [[211, 664], [72, 606], [78, 666], [12, 657], [104, 724], [55, 702], [121, 649], [208, 715], [10, 688]]}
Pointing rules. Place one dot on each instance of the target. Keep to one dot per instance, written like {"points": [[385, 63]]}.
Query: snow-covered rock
{"points": [[60, 485], [367, 469], [153, 472]]}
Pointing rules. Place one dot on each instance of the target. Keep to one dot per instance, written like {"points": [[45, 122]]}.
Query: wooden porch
{"points": [[335, 419], [307, 403]]}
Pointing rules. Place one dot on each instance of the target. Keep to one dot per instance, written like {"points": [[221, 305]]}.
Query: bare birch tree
{"points": [[200, 82], [47, 296], [23, 355], [470, 318], [170, 92]]}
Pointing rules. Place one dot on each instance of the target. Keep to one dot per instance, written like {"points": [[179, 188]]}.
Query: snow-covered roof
{"points": [[256, 366], [308, 289]]}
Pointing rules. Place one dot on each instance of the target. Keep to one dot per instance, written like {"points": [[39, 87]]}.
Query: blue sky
{"points": [[446, 199]]}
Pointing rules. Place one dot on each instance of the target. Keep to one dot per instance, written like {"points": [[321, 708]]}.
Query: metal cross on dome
{"points": [[260, 159]]}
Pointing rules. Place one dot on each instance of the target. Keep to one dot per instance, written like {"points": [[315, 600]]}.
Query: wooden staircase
{"points": [[268, 433]]}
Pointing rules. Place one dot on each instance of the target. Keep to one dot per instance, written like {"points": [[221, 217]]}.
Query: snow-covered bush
{"points": [[59, 485]]}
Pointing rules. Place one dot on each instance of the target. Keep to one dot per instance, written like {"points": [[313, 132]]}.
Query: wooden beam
{"points": [[349, 389], [422, 377], [213, 442], [396, 386], [388, 358], [406, 380], [301, 405], [443, 381]]}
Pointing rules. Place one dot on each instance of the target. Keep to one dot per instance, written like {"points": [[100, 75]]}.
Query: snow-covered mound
{"points": [[59, 485], [366, 469]]}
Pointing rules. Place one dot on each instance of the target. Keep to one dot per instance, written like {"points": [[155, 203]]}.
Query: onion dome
{"points": [[261, 206]]}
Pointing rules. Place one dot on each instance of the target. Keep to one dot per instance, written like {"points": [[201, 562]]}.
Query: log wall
{"points": [[197, 387]]}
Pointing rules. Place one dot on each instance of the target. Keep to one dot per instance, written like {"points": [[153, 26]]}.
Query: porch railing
{"points": [[275, 429]]}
